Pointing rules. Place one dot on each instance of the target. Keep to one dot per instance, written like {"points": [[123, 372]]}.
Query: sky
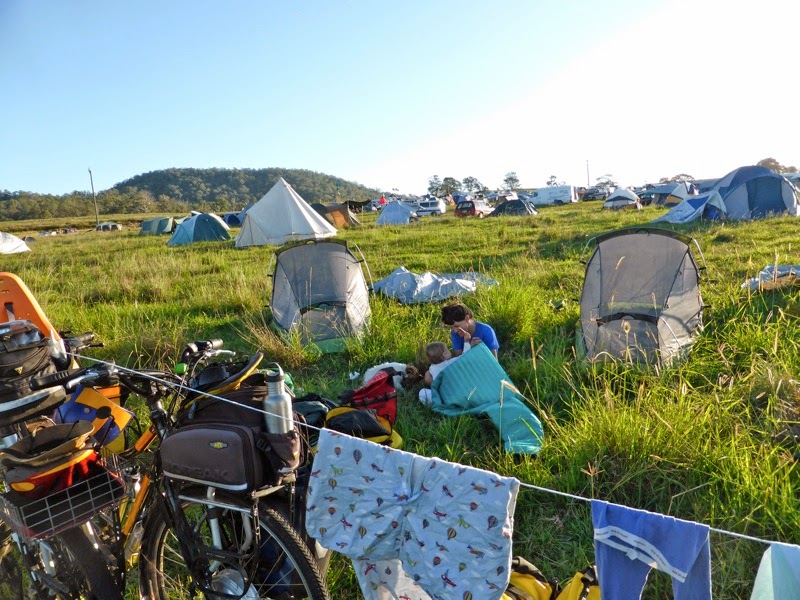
{"points": [[390, 94]]}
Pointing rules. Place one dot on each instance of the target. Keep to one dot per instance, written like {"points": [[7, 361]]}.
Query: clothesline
{"points": [[522, 483], [582, 499]]}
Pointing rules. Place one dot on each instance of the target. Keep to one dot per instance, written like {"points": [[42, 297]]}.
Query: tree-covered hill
{"points": [[181, 190]]}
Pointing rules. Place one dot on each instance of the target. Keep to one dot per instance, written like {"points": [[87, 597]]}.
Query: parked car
{"points": [[435, 207], [473, 208], [597, 192]]}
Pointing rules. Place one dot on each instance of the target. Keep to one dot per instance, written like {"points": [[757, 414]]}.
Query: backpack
{"points": [[528, 583], [24, 354], [582, 586], [378, 394], [365, 424]]}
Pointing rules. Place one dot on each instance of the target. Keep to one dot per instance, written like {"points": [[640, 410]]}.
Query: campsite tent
{"points": [[319, 292], [396, 213], [281, 216], [337, 215], [622, 198], [668, 194], [157, 225], [755, 193], [641, 297], [707, 206], [513, 208], [11, 244], [206, 227]]}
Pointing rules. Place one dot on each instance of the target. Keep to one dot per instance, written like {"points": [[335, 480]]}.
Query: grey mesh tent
{"points": [[319, 292], [641, 297]]}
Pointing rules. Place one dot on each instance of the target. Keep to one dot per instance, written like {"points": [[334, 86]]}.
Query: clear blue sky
{"points": [[389, 94]]}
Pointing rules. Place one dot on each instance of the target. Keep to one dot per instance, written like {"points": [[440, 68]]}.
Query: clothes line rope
{"points": [[523, 484]]}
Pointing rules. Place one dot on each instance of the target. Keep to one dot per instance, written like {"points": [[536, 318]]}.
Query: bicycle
{"points": [[197, 538]]}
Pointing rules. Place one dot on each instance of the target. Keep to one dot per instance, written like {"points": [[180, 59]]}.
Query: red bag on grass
{"points": [[378, 394]]}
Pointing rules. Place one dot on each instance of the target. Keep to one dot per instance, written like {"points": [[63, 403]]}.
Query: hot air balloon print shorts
{"points": [[449, 525]]}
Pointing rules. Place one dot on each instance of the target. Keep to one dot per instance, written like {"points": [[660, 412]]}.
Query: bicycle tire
{"points": [[81, 570], [286, 569]]}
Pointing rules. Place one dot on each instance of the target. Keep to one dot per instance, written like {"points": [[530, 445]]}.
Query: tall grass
{"points": [[713, 438]]}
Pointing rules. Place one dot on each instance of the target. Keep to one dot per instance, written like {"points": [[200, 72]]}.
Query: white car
{"points": [[435, 207]]}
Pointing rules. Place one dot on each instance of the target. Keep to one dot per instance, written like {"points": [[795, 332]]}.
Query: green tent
{"points": [[206, 227]]}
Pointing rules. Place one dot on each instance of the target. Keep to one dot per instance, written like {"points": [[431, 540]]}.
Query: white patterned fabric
{"points": [[416, 528]]}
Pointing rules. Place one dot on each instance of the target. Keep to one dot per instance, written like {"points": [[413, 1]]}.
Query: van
{"points": [[435, 207], [554, 194], [473, 208]]}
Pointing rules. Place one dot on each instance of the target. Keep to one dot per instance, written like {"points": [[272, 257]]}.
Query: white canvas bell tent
{"points": [[640, 301], [282, 216], [755, 193], [11, 244], [319, 292]]}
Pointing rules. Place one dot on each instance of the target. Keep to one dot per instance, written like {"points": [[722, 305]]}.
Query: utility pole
{"points": [[96, 216], [587, 174]]}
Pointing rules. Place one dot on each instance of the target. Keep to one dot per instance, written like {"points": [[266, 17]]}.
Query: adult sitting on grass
{"points": [[463, 326]]}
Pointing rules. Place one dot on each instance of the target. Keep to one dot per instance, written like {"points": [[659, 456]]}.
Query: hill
{"points": [[181, 190]]}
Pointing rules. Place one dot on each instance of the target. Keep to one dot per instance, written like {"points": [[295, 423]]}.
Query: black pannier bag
{"points": [[224, 443], [24, 354]]}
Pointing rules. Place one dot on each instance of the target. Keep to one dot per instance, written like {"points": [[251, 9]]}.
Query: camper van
{"points": [[555, 194]]}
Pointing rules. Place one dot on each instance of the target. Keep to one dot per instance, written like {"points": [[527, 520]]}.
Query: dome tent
{"points": [[640, 301], [755, 193], [206, 227], [622, 198], [319, 291]]}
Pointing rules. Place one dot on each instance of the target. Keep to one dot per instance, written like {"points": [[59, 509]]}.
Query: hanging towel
{"points": [[778, 575], [415, 528], [629, 542], [476, 384]]}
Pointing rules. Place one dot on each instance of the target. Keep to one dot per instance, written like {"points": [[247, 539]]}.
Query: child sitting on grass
{"points": [[439, 357]]}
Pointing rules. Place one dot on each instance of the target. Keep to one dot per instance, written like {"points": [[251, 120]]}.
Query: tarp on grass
{"points": [[409, 288]]}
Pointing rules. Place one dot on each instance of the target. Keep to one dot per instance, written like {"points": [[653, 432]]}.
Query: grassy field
{"points": [[713, 439]]}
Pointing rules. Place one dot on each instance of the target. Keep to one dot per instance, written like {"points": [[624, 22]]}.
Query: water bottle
{"points": [[279, 415]]}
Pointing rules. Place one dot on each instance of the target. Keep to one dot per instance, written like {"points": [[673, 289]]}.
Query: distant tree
{"points": [[553, 181], [679, 178], [471, 184], [511, 181], [435, 186], [607, 181], [450, 186], [774, 165]]}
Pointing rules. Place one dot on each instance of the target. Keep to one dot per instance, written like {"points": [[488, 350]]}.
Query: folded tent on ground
{"points": [[641, 300], [320, 293]]}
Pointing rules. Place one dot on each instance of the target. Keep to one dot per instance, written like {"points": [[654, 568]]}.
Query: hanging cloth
{"points": [[628, 543], [415, 527]]}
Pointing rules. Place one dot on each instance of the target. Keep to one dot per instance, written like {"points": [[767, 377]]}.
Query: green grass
{"points": [[709, 439]]}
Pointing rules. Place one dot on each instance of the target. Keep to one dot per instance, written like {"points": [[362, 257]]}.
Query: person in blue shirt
{"points": [[463, 326]]}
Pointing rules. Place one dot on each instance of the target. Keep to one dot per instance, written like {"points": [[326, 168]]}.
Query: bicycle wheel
{"points": [[67, 566], [285, 568]]}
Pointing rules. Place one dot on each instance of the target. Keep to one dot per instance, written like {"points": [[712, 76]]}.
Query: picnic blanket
{"points": [[476, 384]]}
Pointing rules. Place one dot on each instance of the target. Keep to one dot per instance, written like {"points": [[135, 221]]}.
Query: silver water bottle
{"points": [[279, 415]]}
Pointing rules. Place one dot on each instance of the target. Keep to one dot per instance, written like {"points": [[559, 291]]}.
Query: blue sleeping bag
{"points": [[476, 384]]}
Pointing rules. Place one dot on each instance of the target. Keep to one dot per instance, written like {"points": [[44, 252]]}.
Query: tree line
{"points": [[179, 191]]}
